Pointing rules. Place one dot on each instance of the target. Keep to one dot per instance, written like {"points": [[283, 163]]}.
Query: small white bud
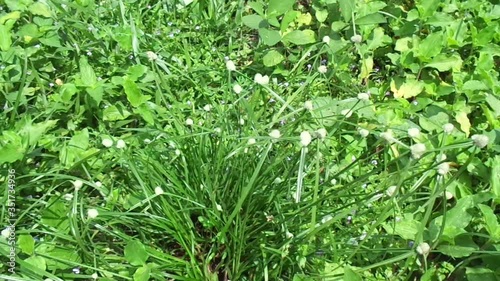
{"points": [[308, 105], [321, 133], [207, 107], [356, 38], [413, 132], [275, 134], [219, 207], [230, 65], [251, 141], [68, 196], [120, 144], [189, 122], [448, 128], [391, 190], [417, 150], [237, 88], [262, 80], [107, 142], [448, 195], [346, 112], [364, 132], [423, 249], [151, 56], [77, 184], [480, 140], [158, 190], [388, 136], [443, 168], [322, 69], [305, 138], [326, 39], [92, 213]]}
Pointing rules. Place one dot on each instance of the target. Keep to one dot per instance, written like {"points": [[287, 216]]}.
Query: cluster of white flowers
{"points": [[260, 79], [109, 143], [322, 69]]}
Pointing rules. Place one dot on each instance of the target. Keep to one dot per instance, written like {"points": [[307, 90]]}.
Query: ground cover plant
{"points": [[249, 140]]}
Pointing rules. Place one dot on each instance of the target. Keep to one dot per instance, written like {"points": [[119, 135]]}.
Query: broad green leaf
{"points": [[115, 113], [430, 47], [51, 39], [464, 122], [300, 37], [136, 71], [41, 9], [269, 37], [379, 39], [67, 91], [366, 67], [495, 178], [279, 7], [254, 21], [68, 256], [288, 18], [304, 19], [257, 6], [26, 243], [10, 153], [146, 113], [406, 228], [87, 72], [474, 85], [135, 253], [491, 221], [10, 16], [409, 88], [443, 63], [494, 103], [456, 251], [273, 58], [321, 15], [346, 8], [95, 93], [18, 5], [374, 18], [427, 8], [5, 38], [56, 215], [80, 140], [142, 273], [350, 275], [33, 132], [402, 45], [37, 261], [134, 95], [480, 274]]}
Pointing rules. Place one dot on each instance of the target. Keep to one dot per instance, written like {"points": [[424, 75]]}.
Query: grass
{"points": [[132, 150]]}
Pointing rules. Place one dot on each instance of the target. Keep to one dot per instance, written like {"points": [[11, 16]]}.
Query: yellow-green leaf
{"points": [[41, 9], [464, 122], [409, 89], [366, 67]]}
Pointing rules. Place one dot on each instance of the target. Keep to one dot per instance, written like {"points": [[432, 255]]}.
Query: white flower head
{"points": [[218, 130], [6, 232], [95, 276], [363, 96], [423, 249], [237, 88], [417, 150], [158, 190], [92, 213], [230, 65], [305, 138], [391, 190], [68, 196], [321, 133], [98, 184], [207, 107], [443, 168], [308, 105], [364, 132], [151, 55], [448, 128], [356, 38], [262, 80], [251, 141], [388, 136], [275, 134], [322, 69], [120, 144], [189, 122], [480, 140], [107, 142], [77, 184], [413, 132], [326, 39], [241, 121]]}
